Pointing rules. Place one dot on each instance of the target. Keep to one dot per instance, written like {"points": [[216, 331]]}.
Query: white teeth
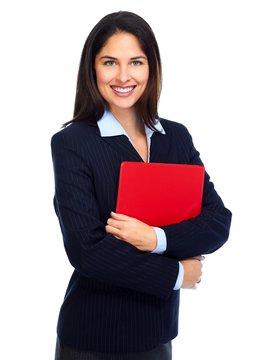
{"points": [[123, 90]]}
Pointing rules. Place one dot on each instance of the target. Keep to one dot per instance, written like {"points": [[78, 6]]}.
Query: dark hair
{"points": [[89, 104]]}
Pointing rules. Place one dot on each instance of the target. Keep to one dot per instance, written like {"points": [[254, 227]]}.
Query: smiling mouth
{"points": [[123, 90]]}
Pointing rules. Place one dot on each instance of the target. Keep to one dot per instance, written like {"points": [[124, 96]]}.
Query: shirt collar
{"points": [[110, 126]]}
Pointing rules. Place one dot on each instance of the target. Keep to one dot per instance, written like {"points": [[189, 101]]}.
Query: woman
{"points": [[123, 297]]}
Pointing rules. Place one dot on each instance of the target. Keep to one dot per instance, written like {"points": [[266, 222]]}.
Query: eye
{"points": [[136, 62], [109, 62]]}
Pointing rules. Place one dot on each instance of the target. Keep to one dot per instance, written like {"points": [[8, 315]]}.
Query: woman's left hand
{"points": [[134, 231]]}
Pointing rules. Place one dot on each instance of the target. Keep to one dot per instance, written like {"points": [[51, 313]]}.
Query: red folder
{"points": [[160, 194]]}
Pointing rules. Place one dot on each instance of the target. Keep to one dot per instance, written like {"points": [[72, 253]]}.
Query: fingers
{"points": [[133, 231], [121, 226], [121, 217], [112, 230], [192, 272], [119, 221], [115, 223], [200, 257]]}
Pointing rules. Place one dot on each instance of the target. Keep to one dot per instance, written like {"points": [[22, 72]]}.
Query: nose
{"points": [[123, 74]]}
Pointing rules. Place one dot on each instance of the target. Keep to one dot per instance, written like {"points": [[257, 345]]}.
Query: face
{"points": [[122, 71]]}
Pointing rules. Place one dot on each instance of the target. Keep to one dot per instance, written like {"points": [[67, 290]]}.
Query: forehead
{"points": [[121, 44]]}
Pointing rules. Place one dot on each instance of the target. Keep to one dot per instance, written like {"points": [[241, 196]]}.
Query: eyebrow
{"points": [[133, 58]]}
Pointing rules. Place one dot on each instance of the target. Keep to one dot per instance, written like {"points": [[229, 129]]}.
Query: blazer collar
{"points": [[114, 134], [109, 126]]}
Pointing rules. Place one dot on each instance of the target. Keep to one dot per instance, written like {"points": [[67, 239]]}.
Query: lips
{"points": [[123, 90]]}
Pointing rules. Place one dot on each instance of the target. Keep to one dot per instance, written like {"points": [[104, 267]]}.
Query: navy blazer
{"points": [[120, 299]]}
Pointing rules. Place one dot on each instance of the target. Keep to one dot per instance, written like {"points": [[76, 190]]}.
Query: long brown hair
{"points": [[89, 104]]}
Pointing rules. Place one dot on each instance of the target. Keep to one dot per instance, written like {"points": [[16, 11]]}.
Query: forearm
{"points": [[203, 234], [113, 261]]}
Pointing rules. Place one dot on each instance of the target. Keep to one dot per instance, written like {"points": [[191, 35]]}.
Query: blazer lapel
{"points": [[122, 145], [160, 148]]}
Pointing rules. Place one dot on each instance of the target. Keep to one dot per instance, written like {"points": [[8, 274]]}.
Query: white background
{"points": [[220, 80]]}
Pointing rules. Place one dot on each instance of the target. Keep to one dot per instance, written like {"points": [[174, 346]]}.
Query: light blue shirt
{"points": [[110, 126]]}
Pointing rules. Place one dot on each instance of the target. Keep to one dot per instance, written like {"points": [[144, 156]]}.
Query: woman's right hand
{"points": [[192, 271]]}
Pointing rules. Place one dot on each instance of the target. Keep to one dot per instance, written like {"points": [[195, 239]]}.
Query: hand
{"points": [[134, 231], [192, 271]]}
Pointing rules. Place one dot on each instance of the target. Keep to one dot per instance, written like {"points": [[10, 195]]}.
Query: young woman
{"points": [[123, 297]]}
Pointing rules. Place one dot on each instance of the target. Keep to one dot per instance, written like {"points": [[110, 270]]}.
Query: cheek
{"points": [[102, 77], [145, 77]]}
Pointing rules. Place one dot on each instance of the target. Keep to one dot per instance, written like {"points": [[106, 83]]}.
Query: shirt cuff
{"points": [[180, 278], [161, 241]]}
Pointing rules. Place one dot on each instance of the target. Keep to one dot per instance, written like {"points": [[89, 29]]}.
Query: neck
{"points": [[129, 121]]}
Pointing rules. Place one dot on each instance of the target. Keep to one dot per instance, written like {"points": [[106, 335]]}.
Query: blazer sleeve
{"points": [[91, 251], [207, 232]]}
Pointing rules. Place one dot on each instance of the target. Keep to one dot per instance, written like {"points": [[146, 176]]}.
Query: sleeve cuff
{"points": [[161, 241], [180, 277]]}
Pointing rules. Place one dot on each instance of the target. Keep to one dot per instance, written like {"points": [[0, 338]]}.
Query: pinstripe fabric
{"points": [[120, 299], [161, 352]]}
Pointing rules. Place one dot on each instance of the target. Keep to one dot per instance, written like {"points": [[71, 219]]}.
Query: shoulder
{"points": [[77, 133], [174, 128]]}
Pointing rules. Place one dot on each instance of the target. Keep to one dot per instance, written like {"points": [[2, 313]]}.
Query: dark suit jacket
{"points": [[120, 299]]}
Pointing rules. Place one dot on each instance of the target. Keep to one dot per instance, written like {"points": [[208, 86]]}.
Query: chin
{"points": [[126, 106]]}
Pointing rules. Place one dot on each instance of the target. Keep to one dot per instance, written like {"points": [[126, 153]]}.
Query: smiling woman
{"points": [[122, 73], [122, 301], [122, 41]]}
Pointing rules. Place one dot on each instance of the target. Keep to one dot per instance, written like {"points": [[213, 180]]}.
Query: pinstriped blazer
{"points": [[120, 299]]}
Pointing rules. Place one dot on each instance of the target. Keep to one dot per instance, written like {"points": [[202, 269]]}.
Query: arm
{"points": [[92, 251], [144, 237], [203, 234], [207, 232]]}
